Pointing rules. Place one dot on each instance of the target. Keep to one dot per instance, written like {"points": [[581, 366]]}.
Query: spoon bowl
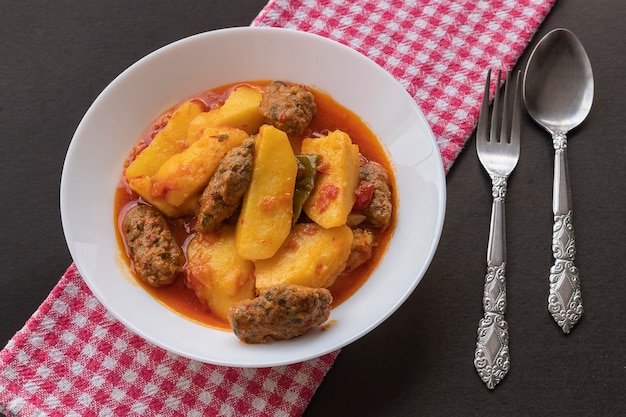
{"points": [[558, 86], [558, 92]]}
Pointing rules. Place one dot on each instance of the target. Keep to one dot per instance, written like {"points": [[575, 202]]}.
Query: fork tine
{"points": [[515, 123], [504, 126], [483, 117], [495, 111]]}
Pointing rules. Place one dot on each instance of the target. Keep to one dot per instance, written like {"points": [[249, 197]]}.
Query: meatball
{"points": [[378, 211], [226, 188], [362, 249], [156, 257], [288, 107], [280, 312]]}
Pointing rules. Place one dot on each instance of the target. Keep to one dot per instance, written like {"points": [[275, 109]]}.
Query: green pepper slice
{"points": [[305, 181]]}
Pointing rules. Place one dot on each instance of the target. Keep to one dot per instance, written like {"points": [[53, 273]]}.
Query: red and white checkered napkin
{"points": [[72, 358]]}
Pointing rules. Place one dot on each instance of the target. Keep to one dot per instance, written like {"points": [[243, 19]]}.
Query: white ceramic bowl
{"points": [[135, 98]]}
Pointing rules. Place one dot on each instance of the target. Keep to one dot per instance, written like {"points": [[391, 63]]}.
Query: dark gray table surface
{"points": [[57, 57]]}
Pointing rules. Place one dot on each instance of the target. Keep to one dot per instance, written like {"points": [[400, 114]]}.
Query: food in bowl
{"points": [[256, 206]]}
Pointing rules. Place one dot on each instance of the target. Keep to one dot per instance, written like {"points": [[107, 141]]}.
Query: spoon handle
{"points": [[564, 299]]}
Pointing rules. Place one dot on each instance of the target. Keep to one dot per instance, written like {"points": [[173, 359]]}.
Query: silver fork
{"points": [[499, 157]]}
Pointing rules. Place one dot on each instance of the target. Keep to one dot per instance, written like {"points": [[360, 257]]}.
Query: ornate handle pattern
{"points": [[491, 358], [564, 299], [492, 347]]}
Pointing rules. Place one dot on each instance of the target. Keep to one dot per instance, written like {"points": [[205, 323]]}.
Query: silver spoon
{"points": [[558, 92]]}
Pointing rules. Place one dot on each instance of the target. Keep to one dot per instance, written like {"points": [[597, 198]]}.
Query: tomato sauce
{"points": [[330, 116]]}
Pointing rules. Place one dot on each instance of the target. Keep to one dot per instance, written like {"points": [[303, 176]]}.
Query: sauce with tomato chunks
{"points": [[330, 116]]}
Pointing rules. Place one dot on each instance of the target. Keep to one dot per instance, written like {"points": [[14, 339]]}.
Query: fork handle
{"points": [[491, 358], [564, 299]]}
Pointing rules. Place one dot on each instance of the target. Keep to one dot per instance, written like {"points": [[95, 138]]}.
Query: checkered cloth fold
{"points": [[72, 358]]}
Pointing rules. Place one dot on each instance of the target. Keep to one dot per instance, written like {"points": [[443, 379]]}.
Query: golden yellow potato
{"points": [[169, 141], [240, 110], [166, 143], [265, 218], [142, 185], [332, 199], [216, 273], [311, 256], [188, 172]]}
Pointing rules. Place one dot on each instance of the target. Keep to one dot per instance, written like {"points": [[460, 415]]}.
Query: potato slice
{"points": [[265, 218], [240, 110], [142, 185], [311, 256], [332, 199], [166, 143], [188, 172], [216, 273]]}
